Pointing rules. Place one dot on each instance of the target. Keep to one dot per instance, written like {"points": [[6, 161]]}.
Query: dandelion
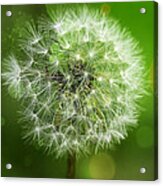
{"points": [[60, 87]]}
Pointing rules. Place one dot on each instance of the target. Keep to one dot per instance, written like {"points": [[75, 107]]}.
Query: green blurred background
{"points": [[125, 160]]}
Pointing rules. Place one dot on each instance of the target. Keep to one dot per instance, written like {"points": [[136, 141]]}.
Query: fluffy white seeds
{"points": [[88, 98]]}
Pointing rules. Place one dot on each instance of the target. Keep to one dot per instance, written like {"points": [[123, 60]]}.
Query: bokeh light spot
{"points": [[82, 170], [102, 166], [144, 137]]}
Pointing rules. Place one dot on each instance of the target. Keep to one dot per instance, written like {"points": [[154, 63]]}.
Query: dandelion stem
{"points": [[71, 161]]}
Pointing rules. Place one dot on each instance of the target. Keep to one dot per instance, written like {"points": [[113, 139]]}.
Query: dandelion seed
{"points": [[107, 138], [49, 84], [35, 41], [73, 113], [45, 51], [100, 79], [85, 74], [91, 54], [86, 39], [108, 104], [67, 46], [93, 91], [78, 57], [64, 144], [75, 142], [106, 57], [29, 85], [35, 116], [119, 98], [57, 26], [34, 96], [57, 62], [68, 77], [54, 136], [76, 96], [111, 81], [37, 129], [89, 107], [31, 62]]}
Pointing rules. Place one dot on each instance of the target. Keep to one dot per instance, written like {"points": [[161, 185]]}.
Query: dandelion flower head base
{"points": [[80, 91]]}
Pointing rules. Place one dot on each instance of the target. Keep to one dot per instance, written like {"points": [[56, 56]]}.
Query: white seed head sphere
{"points": [[66, 105]]}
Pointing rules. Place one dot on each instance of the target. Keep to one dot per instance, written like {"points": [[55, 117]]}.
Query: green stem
{"points": [[71, 160]]}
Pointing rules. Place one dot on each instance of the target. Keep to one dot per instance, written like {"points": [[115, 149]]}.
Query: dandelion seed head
{"points": [[87, 99]]}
